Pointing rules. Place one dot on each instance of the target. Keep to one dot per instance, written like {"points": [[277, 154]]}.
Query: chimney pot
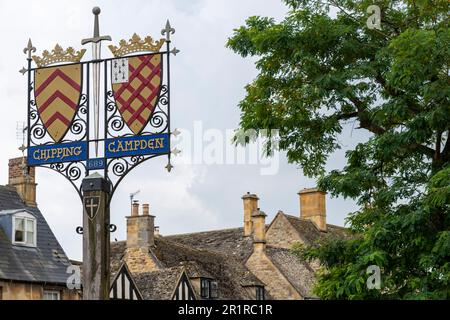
{"points": [[135, 208], [145, 209]]}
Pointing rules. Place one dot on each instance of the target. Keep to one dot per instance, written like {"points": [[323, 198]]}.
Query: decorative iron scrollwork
{"points": [[79, 124], [115, 169], [158, 122]]}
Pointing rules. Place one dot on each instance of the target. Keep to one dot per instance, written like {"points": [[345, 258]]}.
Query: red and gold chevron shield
{"points": [[57, 93], [136, 88]]}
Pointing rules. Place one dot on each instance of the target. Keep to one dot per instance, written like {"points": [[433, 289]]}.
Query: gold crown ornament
{"points": [[58, 54], [136, 44]]}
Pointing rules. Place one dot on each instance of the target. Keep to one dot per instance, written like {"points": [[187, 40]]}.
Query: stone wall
{"points": [[281, 234], [29, 291]]}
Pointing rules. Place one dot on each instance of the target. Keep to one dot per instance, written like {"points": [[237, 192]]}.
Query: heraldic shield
{"points": [[57, 93], [136, 82], [92, 205]]}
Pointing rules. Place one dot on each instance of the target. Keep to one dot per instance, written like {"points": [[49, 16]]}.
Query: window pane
{"points": [[50, 295], [260, 293], [205, 288], [18, 236], [19, 228], [214, 290], [30, 238], [30, 225], [20, 224]]}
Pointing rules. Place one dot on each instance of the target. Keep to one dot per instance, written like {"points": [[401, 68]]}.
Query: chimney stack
{"points": [[312, 207], [145, 209], [250, 205], [22, 178], [140, 228], [259, 230]]}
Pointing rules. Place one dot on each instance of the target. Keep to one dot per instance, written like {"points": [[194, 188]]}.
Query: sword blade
{"points": [[96, 47]]}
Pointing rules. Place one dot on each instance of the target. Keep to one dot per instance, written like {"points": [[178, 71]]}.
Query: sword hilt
{"points": [[96, 38]]}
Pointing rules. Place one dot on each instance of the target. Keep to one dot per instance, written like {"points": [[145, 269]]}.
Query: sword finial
{"points": [[168, 30], [96, 38], [96, 11]]}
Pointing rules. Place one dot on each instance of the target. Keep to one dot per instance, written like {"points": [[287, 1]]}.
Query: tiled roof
{"points": [[230, 273], [157, 285], [309, 232], [297, 272], [117, 251], [221, 255], [45, 263], [228, 241]]}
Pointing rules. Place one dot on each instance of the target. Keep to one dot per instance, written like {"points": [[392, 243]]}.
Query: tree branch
{"points": [[437, 153], [396, 93], [363, 117], [346, 116], [367, 124], [424, 150]]}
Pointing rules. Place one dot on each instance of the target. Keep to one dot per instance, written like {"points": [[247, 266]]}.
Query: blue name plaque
{"points": [[137, 145], [57, 153]]}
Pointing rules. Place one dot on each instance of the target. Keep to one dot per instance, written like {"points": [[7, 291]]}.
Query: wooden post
{"points": [[96, 193]]}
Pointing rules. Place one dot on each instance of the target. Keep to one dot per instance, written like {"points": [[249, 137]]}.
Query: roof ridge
{"points": [[336, 226], [303, 219], [162, 270], [182, 245], [200, 232]]}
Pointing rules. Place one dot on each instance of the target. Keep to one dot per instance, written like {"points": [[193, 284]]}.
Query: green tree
{"points": [[322, 67]]}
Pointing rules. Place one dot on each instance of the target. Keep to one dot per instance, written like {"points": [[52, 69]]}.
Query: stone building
{"points": [[32, 263], [253, 262]]}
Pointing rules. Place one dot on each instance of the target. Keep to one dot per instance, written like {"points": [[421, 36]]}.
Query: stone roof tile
{"points": [[47, 262]]}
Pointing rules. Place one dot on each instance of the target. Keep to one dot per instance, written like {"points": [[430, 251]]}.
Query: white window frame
{"points": [[51, 292], [26, 217]]}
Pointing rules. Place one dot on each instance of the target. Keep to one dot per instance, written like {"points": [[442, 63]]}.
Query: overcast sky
{"points": [[207, 83]]}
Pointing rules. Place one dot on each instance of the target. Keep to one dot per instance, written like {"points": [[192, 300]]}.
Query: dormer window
{"points": [[260, 293], [24, 229], [209, 289], [204, 288]]}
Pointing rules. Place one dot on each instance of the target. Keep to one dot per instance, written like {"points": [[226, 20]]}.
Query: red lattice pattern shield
{"points": [[137, 98]]}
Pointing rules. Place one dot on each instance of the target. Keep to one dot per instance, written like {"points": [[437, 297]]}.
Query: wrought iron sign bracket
{"points": [[72, 132]]}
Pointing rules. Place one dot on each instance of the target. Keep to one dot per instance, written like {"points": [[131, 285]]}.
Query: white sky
{"points": [[207, 83]]}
